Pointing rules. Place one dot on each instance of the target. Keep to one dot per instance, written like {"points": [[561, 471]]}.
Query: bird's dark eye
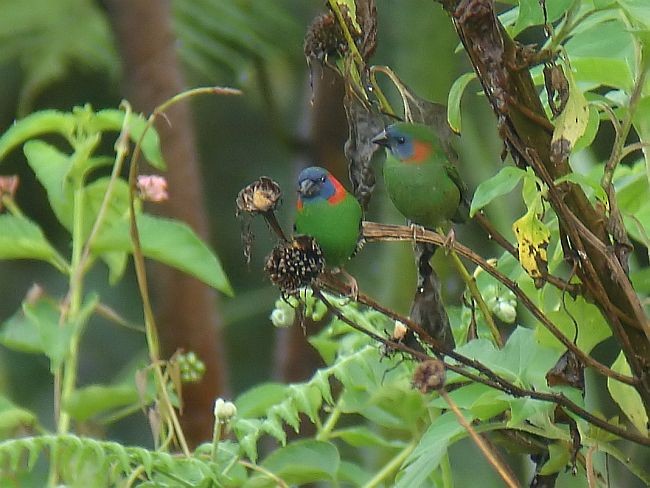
{"points": [[322, 179], [401, 140]]}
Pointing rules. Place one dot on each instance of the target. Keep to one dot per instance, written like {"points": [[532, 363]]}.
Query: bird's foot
{"points": [[350, 281], [417, 229]]}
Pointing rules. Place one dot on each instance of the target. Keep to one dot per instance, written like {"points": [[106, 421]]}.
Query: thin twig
{"points": [[493, 380], [382, 232], [504, 472]]}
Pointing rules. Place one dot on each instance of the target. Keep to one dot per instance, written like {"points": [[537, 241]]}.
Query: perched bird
{"points": [[420, 180], [329, 214], [426, 188]]}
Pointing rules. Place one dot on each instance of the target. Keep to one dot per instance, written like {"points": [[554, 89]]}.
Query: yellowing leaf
{"points": [[533, 238], [572, 122]]}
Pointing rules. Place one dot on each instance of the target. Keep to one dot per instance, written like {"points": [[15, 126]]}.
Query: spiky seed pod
{"points": [[429, 375], [294, 265]]}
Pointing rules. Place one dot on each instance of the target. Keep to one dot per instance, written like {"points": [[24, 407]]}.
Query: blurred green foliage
{"points": [[57, 55]]}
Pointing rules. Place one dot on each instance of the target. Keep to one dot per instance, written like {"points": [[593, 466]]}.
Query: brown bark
{"points": [[525, 129], [188, 316]]}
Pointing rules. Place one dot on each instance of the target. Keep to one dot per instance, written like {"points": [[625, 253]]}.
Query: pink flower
{"points": [[153, 188]]}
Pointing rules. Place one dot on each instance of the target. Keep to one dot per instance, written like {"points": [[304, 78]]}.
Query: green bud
{"points": [[505, 311], [283, 317], [224, 411]]}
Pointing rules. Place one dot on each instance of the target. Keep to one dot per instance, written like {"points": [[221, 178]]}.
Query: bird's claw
{"points": [[450, 240], [417, 229]]}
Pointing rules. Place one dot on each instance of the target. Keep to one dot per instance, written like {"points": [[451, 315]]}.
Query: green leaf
{"points": [[20, 334], [36, 124], [592, 327], [55, 336], [627, 398], [115, 213], [455, 95], [500, 184], [91, 400], [170, 242], [586, 183], [361, 436], [572, 122], [594, 72], [559, 458], [484, 402], [353, 474], [301, 462], [641, 121], [531, 13], [51, 167], [20, 238], [639, 10], [523, 360], [256, 401], [48, 43], [13, 418], [432, 447], [113, 120]]}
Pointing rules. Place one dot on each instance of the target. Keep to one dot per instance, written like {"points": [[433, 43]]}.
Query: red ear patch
{"points": [[421, 151], [299, 204], [339, 193]]}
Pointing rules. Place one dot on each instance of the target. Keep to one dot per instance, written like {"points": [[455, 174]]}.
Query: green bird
{"points": [[329, 214], [420, 180], [427, 189]]}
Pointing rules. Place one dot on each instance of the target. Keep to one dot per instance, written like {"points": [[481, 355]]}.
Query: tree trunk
{"points": [[187, 310]]}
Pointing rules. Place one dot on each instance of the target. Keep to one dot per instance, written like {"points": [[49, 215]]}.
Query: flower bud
{"points": [[224, 411]]}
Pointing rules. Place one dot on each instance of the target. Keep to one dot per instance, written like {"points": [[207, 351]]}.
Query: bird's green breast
{"points": [[334, 226], [423, 193]]}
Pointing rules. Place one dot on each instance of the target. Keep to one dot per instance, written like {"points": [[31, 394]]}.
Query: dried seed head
{"points": [[429, 375], [296, 264], [325, 37], [262, 195]]}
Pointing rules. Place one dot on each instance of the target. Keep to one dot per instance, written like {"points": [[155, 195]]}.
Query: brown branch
{"points": [[494, 380], [384, 232]]}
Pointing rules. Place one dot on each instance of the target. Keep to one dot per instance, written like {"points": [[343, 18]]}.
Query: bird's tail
{"points": [[427, 308]]}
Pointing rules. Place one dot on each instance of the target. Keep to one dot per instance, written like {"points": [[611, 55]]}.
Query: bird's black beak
{"points": [[307, 187], [381, 139]]}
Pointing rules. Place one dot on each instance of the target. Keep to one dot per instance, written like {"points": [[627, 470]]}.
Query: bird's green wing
{"points": [[462, 213]]}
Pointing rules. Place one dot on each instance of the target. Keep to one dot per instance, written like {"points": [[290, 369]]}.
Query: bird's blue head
{"points": [[316, 183], [404, 142]]}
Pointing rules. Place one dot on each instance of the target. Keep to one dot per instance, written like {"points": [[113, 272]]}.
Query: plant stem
{"points": [[70, 313], [470, 281], [330, 423], [151, 332], [489, 455], [391, 466], [215, 439]]}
